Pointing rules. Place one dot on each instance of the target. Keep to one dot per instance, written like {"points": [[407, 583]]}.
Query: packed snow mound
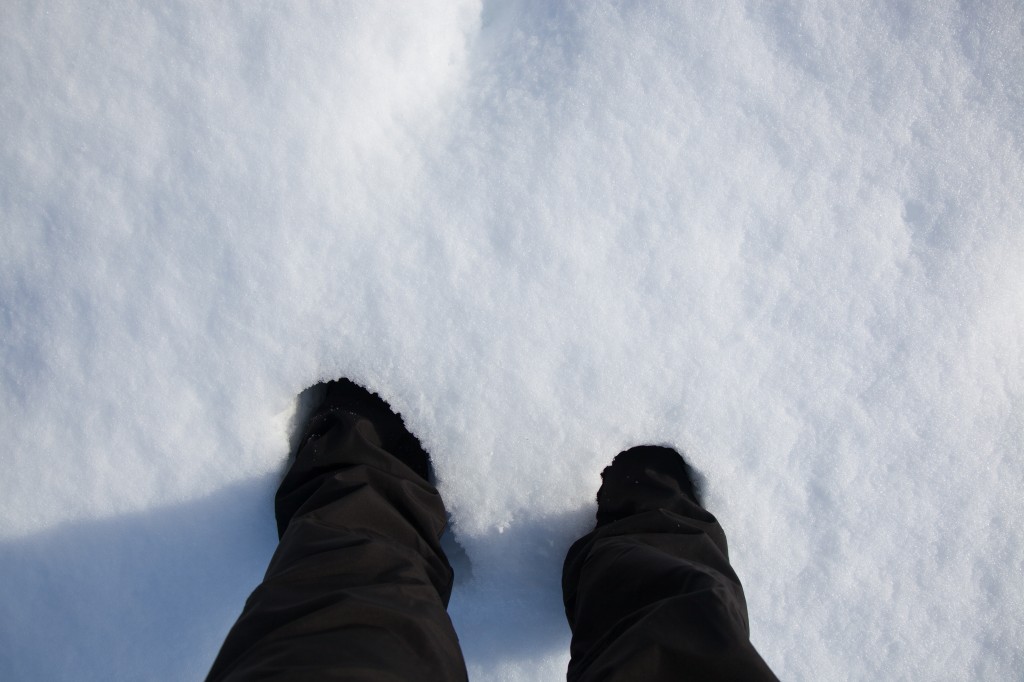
{"points": [[785, 238]]}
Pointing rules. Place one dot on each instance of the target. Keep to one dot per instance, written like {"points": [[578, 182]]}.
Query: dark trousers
{"points": [[359, 585]]}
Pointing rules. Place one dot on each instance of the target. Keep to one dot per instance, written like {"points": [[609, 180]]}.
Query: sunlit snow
{"points": [[784, 237]]}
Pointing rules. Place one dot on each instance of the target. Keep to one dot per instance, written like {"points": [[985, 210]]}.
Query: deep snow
{"points": [[785, 237]]}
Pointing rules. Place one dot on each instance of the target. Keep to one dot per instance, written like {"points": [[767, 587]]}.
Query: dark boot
{"points": [[649, 593], [359, 584]]}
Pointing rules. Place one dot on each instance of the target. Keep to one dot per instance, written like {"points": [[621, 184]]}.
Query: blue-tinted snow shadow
{"points": [[143, 596], [509, 605], [151, 595]]}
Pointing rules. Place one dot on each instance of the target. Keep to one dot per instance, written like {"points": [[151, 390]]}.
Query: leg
{"points": [[358, 586], [649, 593]]}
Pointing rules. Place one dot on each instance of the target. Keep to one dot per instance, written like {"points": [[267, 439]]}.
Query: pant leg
{"points": [[359, 584], [650, 594]]}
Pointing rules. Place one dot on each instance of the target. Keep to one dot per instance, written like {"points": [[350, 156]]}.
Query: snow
{"points": [[783, 237]]}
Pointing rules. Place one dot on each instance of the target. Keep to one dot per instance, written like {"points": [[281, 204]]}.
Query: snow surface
{"points": [[785, 237]]}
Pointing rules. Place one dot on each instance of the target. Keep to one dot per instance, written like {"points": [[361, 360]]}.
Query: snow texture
{"points": [[784, 237]]}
